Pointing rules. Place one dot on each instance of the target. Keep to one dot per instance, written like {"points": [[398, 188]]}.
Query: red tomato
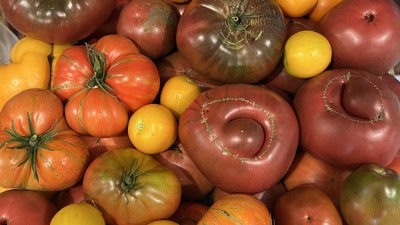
{"points": [[306, 204], [130, 187], [194, 184], [307, 169], [38, 149], [20, 207], [150, 24], [232, 41], [108, 79], [98, 146], [189, 213]]}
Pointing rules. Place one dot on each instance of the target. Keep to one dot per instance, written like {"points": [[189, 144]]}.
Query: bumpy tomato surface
{"points": [[130, 187], [108, 79], [39, 151]]}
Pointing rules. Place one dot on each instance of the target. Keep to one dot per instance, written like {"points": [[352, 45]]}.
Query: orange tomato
{"points": [[322, 7], [296, 8], [152, 128], [178, 93]]}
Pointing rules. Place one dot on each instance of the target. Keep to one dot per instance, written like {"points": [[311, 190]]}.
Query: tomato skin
{"points": [[61, 159], [232, 42], [121, 82], [237, 209], [150, 24], [154, 195], [371, 195], [46, 20], [306, 204]]}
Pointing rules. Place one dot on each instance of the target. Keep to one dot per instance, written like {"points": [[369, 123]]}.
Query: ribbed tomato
{"points": [[102, 83], [38, 149]]}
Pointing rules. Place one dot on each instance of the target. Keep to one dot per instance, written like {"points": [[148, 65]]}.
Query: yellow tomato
{"points": [[163, 222], [296, 8], [307, 53], [78, 214], [178, 93], [152, 128]]}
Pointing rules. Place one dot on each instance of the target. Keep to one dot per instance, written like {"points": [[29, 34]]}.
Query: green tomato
{"points": [[78, 214], [371, 196]]}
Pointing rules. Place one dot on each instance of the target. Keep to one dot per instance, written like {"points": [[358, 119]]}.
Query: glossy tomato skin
{"points": [[59, 22], [130, 187], [124, 81], [371, 195], [151, 25], [306, 204], [56, 155], [232, 41], [21, 207]]}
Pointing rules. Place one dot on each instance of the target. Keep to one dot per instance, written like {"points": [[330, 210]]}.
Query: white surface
{"points": [[7, 41]]}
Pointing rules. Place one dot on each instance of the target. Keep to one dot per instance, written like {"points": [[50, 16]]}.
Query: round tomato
{"points": [[306, 204], [237, 209], [59, 22], [232, 41], [78, 214], [39, 151], [152, 128], [150, 24], [371, 195], [108, 79], [130, 187], [20, 207]]}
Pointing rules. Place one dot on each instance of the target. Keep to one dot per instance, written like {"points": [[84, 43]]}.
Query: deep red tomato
{"points": [[194, 185], [304, 205], [59, 22], [108, 79], [38, 149], [232, 41], [130, 187], [150, 24], [308, 169]]}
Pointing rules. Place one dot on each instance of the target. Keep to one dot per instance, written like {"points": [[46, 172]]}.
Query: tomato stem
{"points": [[31, 143], [128, 181], [98, 62]]}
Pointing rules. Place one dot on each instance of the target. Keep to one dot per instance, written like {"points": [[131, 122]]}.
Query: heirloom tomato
{"points": [[38, 150], [371, 195], [131, 188], [232, 41], [58, 22], [101, 83]]}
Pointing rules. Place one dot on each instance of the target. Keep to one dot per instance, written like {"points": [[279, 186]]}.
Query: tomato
{"points": [[58, 22], [308, 169], [78, 214], [150, 24], [194, 185], [98, 146], [237, 209], [39, 151], [108, 79], [130, 187], [152, 128], [238, 134], [306, 204], [20, 207], [189, 213], [371, 195], [232, 41]]}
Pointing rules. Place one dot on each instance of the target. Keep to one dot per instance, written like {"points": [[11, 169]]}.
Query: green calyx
{"points": [[31, 143]]}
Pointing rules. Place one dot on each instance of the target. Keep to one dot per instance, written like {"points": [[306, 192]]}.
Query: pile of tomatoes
{"points": [[69, 129]]}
